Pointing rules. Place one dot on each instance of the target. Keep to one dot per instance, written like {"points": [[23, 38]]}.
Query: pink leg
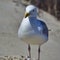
{"points": [[29, 50], [39, 52]]}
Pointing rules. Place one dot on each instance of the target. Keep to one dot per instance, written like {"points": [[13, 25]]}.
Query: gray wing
{"points": [[44, 26]]}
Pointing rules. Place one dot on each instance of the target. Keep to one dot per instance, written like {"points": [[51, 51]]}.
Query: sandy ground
{"points": [[10, 45]]}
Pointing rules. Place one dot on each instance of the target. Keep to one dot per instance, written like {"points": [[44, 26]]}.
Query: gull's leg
{"points": [[39, 52], [29, 50]]}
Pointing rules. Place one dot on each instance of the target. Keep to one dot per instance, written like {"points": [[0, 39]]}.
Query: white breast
{"points": [[27, 34]]}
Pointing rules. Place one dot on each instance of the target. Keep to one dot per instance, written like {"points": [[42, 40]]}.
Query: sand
{"points": [[10, 45]]}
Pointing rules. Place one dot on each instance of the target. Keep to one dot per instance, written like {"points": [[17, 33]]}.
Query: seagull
{"points": [[33, 30]]}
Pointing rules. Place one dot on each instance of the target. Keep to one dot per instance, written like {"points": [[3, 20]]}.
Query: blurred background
{"points": [[11, 15]]}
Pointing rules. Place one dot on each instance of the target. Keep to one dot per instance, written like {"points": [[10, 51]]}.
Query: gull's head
{"points": [[31, 11]]}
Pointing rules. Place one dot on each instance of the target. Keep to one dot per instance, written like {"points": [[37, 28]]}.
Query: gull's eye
{"points": [[33, 10]]}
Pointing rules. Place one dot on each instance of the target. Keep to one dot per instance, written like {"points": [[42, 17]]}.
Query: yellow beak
{"points": [[26, 15]]}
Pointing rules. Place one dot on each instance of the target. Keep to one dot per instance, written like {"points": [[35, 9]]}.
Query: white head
{"points": [[31, 11]]}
